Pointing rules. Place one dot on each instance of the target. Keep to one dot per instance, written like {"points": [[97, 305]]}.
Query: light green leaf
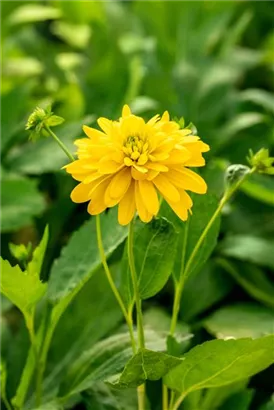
{"points": [[29, 13], [219, 362], [252, 279], [21, 201], [240, 320], [211, 283], [145, 365], [249, 248], [81, 258], [190, 232], [154, 252], [55, 120], [103, 361], [76, 35], [25, 289]]}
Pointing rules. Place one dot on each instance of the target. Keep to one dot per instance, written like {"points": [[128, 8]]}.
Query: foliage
{"points": [[210, 62]]}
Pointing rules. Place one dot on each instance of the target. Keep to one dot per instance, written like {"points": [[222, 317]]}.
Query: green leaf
{"points": [[190, 232], [259, 97], [25, 289], [259, 187], [145, 365], [21, 201], [29, 13], [213, 398], [154, 251], [212, 285], [103, 397], [249, 248], [219, 362], [240, 320], [252, 279], [103, 361], [239, 401], [44, 156], [54, 120], [81, 258]]}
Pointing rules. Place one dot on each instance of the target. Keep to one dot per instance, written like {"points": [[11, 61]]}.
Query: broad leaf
{"points": [[252, 279], [190, 232], [249, 248], [103, 397], [219, 362], [241, 320], [145, 365], [103, 361], [259, 187], [211, 284], [24, 288], [21, 201], [213, 398], [239, 401], [81, 258], [154, 252]]}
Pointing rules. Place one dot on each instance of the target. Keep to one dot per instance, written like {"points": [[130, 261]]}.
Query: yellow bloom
{"points": [[130, 162]]}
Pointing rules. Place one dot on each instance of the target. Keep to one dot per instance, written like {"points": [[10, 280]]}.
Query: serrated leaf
{"points": [[154, 252], [24, 288], [249, 248], [190, 232], [81, 258], [240, 320], [145, 365], [21, 201], [103, 361], [219, 362]]}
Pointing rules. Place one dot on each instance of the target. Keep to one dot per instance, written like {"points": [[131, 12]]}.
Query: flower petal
{"points": [[149, 196], [127, 207], [109, 167], [166, 188], [93, 134], [126, 111], [192, 181], [143, 213], [120, 183], [105, 124], [81, 193], [97, 203]]}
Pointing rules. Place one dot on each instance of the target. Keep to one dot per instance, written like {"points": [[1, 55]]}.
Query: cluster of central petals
{"points": [[131, 162]]}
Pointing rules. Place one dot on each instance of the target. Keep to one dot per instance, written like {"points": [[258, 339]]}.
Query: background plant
{"points": [[210, 62]]}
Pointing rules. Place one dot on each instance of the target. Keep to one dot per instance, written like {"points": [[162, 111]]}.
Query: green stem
{"points": [[164, 397], [127, 315], [5, 400], [178, 402], [140, 326], [59, 142], [141, 334]]}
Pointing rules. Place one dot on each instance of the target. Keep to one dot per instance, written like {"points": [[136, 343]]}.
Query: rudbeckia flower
{"points": [[130, 163]]}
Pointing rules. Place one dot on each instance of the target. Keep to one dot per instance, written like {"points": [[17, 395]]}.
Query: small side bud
{"points": [[20, 252], [263, 163], [235, 173], [39, 119]]}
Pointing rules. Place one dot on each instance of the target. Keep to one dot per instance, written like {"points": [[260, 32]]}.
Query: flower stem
{"points": [[59, 142], [141, 335], [127, 315], [140, 326]]}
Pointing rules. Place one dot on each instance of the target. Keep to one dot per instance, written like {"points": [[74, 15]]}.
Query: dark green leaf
{"points": [[81, 258], [145, 365], [239, 401], [154, 251], [21, 201], [190, 232]]}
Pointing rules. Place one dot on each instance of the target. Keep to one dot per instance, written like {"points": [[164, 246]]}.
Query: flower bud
{"points": [[235, 173], [39, 119]]}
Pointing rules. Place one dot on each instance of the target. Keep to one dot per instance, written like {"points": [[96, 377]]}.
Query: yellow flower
{"points": [[130, 162]]}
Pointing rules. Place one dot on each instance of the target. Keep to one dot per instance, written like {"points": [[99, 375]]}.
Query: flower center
{"points": [[135, 148]]}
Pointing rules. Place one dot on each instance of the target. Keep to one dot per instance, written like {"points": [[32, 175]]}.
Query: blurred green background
{"points": [[211, 62]]}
